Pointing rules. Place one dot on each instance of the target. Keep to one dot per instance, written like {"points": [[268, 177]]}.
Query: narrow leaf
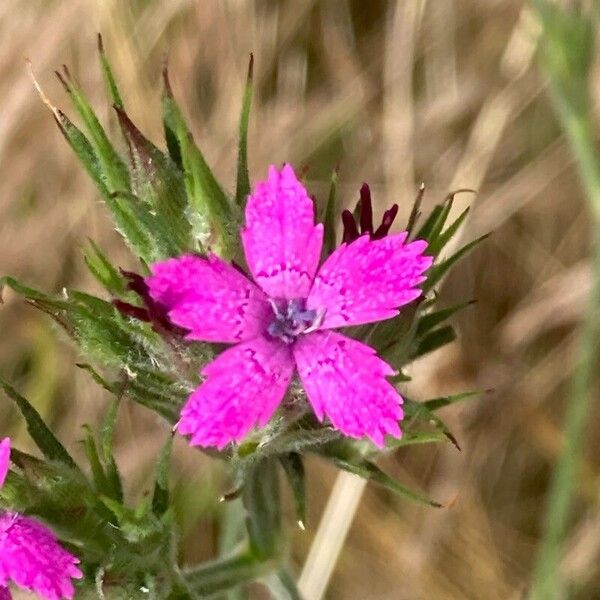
{"points": [[106, 446], [438, 271], [104, 272], [158, 182], [84, 151], [113, 167], [417, 437], [262, 503], [242, 188], [416, 209], [45, 440], [434, 340], [211, 215], [437, 244], [170, 120], [437, 403], [330, 218], [160, 497], [294, 470], [99, 477], [413, 411], [225, 573], [432, 319], [435, 222], [111, 84], [370, 471]]}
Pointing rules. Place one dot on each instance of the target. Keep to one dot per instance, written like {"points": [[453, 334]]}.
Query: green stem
{"points": [[547, 582]]}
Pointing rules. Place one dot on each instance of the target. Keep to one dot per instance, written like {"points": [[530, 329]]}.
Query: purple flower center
{"points": [[291, 319]]}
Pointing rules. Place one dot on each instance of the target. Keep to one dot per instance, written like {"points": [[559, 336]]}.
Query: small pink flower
{"points": [[4, 461], [30, 554], [32, 558], [283, 321]]}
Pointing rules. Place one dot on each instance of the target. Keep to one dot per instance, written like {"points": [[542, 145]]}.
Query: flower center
{"points": [[291, 319]]}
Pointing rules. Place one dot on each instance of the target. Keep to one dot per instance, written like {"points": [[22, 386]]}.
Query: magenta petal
{"points": [[5, 593], [243, 387], [4, 459], [32, 558], [281, 241], [211, 298], [346, 381], [368, 280]]}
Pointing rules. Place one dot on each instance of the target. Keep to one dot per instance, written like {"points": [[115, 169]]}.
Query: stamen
{"points": [[291, 319]]}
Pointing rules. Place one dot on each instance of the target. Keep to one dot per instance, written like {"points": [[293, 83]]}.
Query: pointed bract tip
{"points": [[100, 43], [57, 113], [63, 81], [453, 193], [165, 75], [251, 67]]}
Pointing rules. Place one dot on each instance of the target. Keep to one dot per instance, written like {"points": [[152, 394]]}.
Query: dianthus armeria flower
{"points": [[285, 320], [30, 555]]}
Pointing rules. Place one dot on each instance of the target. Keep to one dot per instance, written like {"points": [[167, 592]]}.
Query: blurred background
{"points": [[447, 92]]}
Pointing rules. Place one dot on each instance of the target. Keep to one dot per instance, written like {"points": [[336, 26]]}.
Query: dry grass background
{"points": [[446, 92]]}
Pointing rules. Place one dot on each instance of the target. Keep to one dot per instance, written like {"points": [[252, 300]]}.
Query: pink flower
{"points": [[283, 320], [30, 554], [33, 559], [4, 461]]}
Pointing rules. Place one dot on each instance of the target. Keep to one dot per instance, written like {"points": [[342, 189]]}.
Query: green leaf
{"points": [[45, 440], [370, 471], [417, 437], [212, 218], [282, 586], [435, 222], [113, 168], [434, 340], [104, 272], [432, 319], [242, 188], [568, 52], [438, 243], [106, 445], [133, 222], [141, 229], [224, 574], [263, 508], [169, 120], [437, 403], [329, 219], [84, 151], [31, 293], [294, 470], [436, 272], [158, 182], [160, 497], [416, 209], [111, 84], [414, 411], [99, 477]]}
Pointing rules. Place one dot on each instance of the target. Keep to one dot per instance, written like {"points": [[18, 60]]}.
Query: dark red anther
{"points": [[154, 312], [387, 221], [366, 210], [130, 310], [350, 229]]}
